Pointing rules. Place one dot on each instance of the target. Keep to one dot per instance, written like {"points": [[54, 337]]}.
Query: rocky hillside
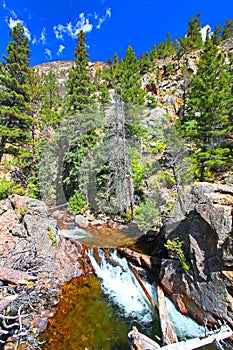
{"points": [[167, 82]]}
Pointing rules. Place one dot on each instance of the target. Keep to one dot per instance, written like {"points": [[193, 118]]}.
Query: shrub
{"points": [[175, 251], [5, 188], [146, 215], [51, 236], [77, 203], [9, 187]]}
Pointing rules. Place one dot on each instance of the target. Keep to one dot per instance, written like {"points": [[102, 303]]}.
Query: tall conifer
{"points": [[193, 39], [227, 30], [79, 85], [15, 109], [128, 83], [209, 107]]}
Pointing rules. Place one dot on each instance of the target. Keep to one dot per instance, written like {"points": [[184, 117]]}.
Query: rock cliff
{"points": [[204, 291], [167, 82]]}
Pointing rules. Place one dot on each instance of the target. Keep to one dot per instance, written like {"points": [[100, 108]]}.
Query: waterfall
{"points": [[120, 286]]}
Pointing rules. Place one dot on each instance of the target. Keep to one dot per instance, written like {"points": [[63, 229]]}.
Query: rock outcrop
{"points": [[35, 261], [206, 232], [204, 289]]}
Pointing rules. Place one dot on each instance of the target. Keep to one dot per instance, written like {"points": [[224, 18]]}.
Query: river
{"points": [[96, 312]]}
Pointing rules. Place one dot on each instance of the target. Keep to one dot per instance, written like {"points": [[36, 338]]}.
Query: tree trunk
{"points": [[178, 190]]}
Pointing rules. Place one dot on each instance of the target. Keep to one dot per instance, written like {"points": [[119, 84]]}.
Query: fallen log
{"points": [[139, 341], [143, 287], [212, 338], [145, 261], [168, 330], [15, 276]]}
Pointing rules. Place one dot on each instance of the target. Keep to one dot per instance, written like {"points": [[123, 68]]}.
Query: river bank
{"points": [[36, 260]]}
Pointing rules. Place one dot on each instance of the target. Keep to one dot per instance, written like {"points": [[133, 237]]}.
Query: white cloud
{"points": [[204, 31], [103, 19], [73, 29], [42, 39], [48, 53], [13, 14], [13, 22], [11, 11], [43, 36], [60, 50], [58, 30]]}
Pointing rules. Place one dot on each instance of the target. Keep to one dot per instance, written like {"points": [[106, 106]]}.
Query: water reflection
{"points": [[85, 318], [104, 237]]}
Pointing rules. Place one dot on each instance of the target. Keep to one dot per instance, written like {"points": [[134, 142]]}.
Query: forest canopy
{"points": [[112, 147]]}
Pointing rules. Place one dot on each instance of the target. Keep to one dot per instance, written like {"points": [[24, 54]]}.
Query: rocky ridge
{"points": [[167, 81]]}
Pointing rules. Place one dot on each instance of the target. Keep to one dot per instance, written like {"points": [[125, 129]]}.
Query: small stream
{"points": [[97, 312]]}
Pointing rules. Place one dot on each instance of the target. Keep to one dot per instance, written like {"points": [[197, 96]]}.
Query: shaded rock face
{"points": [[200, 245], [206, 233], [205, 301], [205, 291], [34, 262]]}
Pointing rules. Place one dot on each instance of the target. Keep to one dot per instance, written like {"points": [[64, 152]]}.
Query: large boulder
{"points": [[206, 233], [209, 220], [207, 302], [202, 287], [28, 232]]}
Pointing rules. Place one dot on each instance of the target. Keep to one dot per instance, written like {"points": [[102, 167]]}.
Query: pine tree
{"points": [[145, 63], [80, 102], [79, 86], [15, 101], [216, 37], [154, 52], [209, 107], [51, 99], [193, 40], [128, 83], [227, 30], [110, 73], [104, 96], [167, 48]]}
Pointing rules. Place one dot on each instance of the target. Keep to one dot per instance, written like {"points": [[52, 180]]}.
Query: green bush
{"points": [[51, 236], [9, 187], [175, 251], [138, 168], [146, 215], [5, 188], [77, 203]]}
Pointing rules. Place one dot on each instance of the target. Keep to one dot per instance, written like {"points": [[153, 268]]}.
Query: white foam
{"points": [[120, 285]]}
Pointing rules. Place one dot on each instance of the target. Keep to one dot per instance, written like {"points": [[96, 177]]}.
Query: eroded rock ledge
{"points": [[34, 262]]}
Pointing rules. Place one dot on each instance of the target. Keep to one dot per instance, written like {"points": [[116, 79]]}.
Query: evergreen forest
{"points": [[111, 140]]}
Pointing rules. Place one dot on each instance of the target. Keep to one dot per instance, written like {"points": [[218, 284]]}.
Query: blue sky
{"points": [[110, 25]]}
